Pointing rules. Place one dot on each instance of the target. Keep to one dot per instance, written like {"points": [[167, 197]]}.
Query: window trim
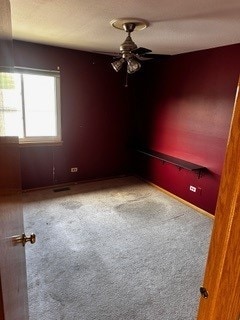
{"points": [[42, 140]]}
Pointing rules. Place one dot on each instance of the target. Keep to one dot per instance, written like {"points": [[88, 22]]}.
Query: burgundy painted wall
{"points": [[183, 108], [95, 118]]}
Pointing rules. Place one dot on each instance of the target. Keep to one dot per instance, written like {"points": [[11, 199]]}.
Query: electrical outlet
{"points": [[74, 169], [192, 188]]}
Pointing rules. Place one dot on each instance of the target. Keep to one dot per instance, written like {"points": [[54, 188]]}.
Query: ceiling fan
{"points": [[130, 54]]}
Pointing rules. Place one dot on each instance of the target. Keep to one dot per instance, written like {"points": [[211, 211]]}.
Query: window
{"points": [[30, 105]]}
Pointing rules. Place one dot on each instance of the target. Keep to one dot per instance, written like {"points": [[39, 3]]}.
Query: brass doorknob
{"points": [[204, 292], [23, 239]]}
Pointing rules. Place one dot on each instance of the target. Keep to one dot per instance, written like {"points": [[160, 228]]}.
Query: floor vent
{"points": [[61, 189]]}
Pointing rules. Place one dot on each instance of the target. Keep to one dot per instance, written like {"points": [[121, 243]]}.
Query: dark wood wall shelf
{"points": [[181, 164]]}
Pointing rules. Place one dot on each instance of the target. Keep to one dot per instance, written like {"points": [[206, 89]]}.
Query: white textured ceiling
{"points": [[175, 26]]}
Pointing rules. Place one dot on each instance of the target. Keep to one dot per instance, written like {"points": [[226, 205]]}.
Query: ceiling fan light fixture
{"points": [[128, 49], [117, 65], [133, 65]]}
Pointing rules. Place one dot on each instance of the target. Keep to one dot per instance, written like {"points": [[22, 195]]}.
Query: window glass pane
{"points": [[29, 106], [11, 105], [40, 105]]}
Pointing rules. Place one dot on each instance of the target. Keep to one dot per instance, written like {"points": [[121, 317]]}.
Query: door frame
{"points": [[222, 274]]}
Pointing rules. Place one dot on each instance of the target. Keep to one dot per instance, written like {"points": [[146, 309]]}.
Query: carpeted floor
{"points": [[117, 249]]}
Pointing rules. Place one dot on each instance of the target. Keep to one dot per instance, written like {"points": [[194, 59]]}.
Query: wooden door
{"points": [[6, 46], [222, 275], [13, 282]]}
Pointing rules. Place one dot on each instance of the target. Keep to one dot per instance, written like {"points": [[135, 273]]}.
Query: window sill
{"points": [[41, 144]]}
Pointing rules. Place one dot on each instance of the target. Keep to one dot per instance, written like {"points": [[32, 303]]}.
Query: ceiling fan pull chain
{"points": [[126, 83]]}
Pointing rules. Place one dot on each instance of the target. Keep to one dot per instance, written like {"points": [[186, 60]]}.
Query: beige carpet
{"points": [[117, 249]]}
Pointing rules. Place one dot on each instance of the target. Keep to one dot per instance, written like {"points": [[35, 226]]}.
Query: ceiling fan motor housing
{"points": [[128, 45]]}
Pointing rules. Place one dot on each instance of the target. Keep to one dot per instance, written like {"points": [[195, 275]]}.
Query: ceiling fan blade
{"points": [[143, 58], [113, 54], [152, 56], [156, 55], [141, 51]]}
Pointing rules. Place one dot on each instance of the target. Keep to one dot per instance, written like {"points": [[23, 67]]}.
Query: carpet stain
{"points": [[57, 298], [140, 208], [71, 205]]}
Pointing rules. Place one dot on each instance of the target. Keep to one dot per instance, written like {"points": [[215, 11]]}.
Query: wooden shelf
{"points": [[181, 164]]}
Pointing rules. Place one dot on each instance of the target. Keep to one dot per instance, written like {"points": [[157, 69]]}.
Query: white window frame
{"points": [[43, 139]]}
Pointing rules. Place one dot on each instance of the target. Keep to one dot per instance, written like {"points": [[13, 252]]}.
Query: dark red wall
{"points": [[183, 108], [95, 118], [180, 106]]}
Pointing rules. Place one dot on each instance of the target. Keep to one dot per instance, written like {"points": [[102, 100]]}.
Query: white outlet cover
{"points": [[193, 189]]}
